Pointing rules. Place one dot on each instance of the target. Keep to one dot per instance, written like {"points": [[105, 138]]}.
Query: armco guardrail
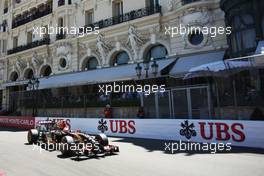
{"points": [[19, 122]]}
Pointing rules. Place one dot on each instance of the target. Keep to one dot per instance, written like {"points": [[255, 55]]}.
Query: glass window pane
{"points": [[92, 63], [149, 106], [249, 38], [164, 105], [237, 22], [180, 104], [238, 41], [158, 52], [199, 99], [196, 39], [122, 58], [247, 19]]}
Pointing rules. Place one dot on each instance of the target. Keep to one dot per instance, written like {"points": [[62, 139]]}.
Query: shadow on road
{"points": [[26, 143], [160, 145], [84, 158]]}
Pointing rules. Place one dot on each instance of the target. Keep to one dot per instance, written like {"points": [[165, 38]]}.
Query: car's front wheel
{"points": [[32, 136], [102, 139], [65, 147]]}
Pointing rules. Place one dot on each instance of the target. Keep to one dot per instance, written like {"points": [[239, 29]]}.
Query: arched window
{"points": [[243, 37], [90, 63], [121, 58], [156, 52], [29, 74], [13, 76], [46, 71]]}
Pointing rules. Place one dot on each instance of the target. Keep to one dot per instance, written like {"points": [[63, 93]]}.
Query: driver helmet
{"points": [[61, 124]]}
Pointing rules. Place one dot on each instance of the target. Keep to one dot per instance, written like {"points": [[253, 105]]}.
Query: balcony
{"points": [[27, 18], [44, 41], [184, 2], [61, 3], [5, 10], [135, 14]]}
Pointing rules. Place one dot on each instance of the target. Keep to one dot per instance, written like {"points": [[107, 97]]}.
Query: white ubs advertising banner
{"points": [[238, 133]]}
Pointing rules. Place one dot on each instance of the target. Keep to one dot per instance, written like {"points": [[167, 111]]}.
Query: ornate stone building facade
{"points": [[130, 31]]}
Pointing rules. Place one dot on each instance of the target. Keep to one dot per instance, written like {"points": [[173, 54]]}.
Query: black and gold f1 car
{"points": [[79, 144], [52, 132]]}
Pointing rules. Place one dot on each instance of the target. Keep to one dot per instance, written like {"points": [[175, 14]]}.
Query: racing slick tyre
{"points": [[66, 143], [32, 136], [102, 139]]}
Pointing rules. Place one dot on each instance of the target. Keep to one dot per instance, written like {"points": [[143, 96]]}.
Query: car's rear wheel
{"points": [[102, 139], [32, 136], [66, 143]]}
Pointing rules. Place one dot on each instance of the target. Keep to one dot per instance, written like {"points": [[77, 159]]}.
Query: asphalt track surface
{"points": [[137, 157]]}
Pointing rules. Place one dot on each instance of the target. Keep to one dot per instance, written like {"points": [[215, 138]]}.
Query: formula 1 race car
{"points": [[70, 143], [79, 144]]}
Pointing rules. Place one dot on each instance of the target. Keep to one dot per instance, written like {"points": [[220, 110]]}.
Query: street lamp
{"points": [[155, 68], [33, 85], [138, 70], [146, 67], [146, 64]]}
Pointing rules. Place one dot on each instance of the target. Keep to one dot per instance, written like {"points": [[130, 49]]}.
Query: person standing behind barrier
{"points": [[108, 111], [141, 113]]}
